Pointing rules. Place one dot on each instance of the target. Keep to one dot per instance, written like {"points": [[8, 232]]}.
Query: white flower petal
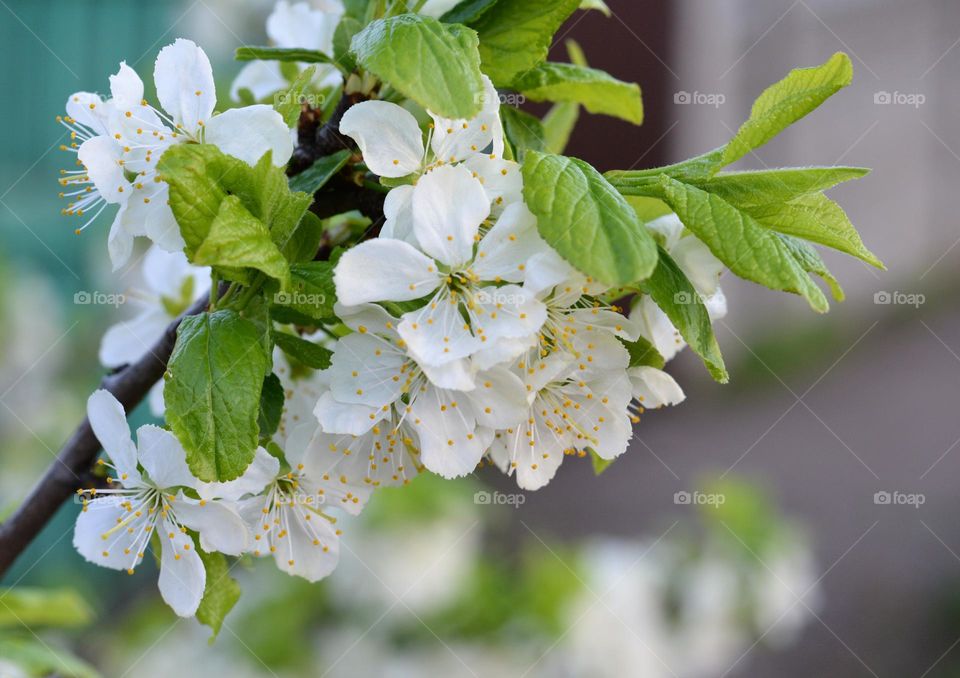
{"points": [[456, 140], [698, 263], [261, 472], [163, 458], [437, 8], [654, 388], [533, 452], [604, 429], [502, 350], [656, 327], [398, 211], [219, 526], [508, 246], [499, 400], [128, 341], [614, 322], [448, 207], [546, 270], [502, 179], [126, 87], [109, 535], [449, 445], [384, 270], [388, 136], [182, 575], [437, 334], [101, 158], [155, 400], [366, 370], [716, 305], [456, 375], [508, 312], [166, 273], [342, 418], [367, 318], [119, 242], [299, 25], [89, 110], [261, 78], [311, 548], [109, 424], [185, 86], [247, 133]]}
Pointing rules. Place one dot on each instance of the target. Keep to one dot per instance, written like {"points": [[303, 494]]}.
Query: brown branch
{"points": [[130, 385]]}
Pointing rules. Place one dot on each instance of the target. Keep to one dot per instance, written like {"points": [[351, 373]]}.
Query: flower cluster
{"points": [[473, 338], [460, 338], [119, 141]]}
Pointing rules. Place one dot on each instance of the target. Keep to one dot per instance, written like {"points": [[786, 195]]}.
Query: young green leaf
{"points": [[313, 293], [597, 91], [785, 102], [220, 594], [644, 354], [810, 260], [598, 463], [240, 240], [584, 218], [750, 250], [524, 132], [212, 393], [272, 398], [342, 38], [437, 65], [673, 292], [515, 35], [288, 54], [304, 352], [288, 104], [319, 173]]}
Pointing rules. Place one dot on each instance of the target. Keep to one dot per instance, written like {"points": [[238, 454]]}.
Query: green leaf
{"points": [[212, 393], [673, 292], [437, 65], [342, 39], [776, 185], [220, 594], [597, 91], [201, 177], [272, 398], [294, 54], [785, 102], [58, 608], [319, 173], [515, 35], [288, 104], [809, 259], [312, 293], [304, 352], [749, 249], [643, 353], [303, 243], [240, 240], [583, 217], [467, 11], [816, 218], [558, 126], [38, 658], [524, 132]]}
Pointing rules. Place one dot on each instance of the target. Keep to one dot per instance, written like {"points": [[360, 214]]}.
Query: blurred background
{"points": [[800, 559]]}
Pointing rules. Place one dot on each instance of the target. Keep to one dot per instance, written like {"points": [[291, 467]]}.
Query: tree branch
{"points": [[131, 384]]}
